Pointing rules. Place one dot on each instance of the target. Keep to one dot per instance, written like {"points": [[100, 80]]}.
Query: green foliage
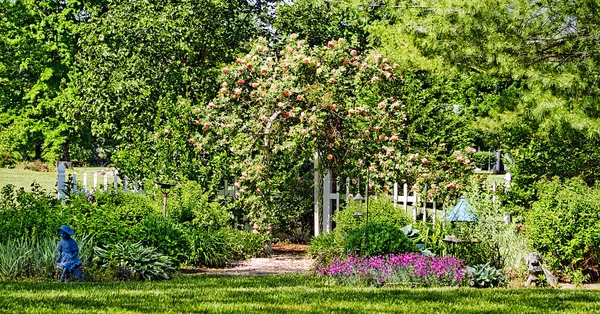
{"points": [[30, 215], [37, 51], [111, 218], [7, 159], [142, 68], [483, 159], [578, 278], [244, 244], [432, 237], [381, 210], [485, 276], [214, 248], [209, 248], [13, 258], [133, 261], [36, 258], [325, 248], [379, 239], [189, 203], [164, 234], [563, 225], [319, 21], [495, 242]]}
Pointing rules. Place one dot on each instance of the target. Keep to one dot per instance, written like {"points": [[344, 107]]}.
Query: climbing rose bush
{"points": [[276, 108], [413, 269]]}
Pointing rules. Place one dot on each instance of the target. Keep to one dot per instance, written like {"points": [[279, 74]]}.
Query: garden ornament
{"points": [[68, 252], [534, 265]]}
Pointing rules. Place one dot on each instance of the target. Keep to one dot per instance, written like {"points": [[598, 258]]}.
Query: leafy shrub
{"points": [[30, 215], [484, 276], [325, 248], [563, 225], [165, 235], [244, 244], [483, 159], [133, 261], [412, 269], [111, 219], [381, 210], [189, 203], [7, 159], [378, 239], [209, 248]]}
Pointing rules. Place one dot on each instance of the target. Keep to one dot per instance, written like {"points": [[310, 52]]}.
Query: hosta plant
{"points": [[133, 261], [484, 276]]}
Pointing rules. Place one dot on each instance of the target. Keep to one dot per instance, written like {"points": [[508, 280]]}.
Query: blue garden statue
{"points": [[68, 252]]}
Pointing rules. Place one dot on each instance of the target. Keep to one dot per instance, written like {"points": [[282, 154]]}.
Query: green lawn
{"points": [[279, 294], [47, 180]]}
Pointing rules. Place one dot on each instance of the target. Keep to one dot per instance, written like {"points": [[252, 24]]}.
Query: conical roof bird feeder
{"points": [[461, 212]]}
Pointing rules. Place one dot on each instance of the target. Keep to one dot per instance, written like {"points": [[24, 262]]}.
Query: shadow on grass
{"points": [[283, 293]]}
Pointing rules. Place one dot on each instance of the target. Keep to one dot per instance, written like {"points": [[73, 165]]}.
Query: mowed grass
{"points": [[280, 294], [47, 180]]}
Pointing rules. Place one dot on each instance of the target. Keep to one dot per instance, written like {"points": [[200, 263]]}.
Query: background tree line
{"points": [[96, 81]]}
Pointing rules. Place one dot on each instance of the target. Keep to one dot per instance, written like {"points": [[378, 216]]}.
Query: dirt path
{"points": [[286, 259]]}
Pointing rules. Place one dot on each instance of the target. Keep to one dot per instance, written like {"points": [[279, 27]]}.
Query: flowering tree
{"points": [[277, 108]]}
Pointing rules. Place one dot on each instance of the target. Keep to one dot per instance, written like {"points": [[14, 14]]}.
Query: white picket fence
{"points": [[114, 179], [106, 177], [412, 203]]}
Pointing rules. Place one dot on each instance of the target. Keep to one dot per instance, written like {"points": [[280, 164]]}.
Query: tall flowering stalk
{"points": [[412, 269]]}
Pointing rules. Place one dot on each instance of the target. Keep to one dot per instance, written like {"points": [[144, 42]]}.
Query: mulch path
{"points": [[286, 259]]}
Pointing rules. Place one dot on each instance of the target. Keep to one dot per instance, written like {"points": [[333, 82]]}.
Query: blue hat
{"points": [[66, 229]]}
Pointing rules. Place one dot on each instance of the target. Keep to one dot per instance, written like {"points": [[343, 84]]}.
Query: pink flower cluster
{"points": [[413, 269]]}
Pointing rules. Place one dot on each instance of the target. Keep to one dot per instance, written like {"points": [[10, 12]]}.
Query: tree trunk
{"points": [[38, 151], [65, 152]]}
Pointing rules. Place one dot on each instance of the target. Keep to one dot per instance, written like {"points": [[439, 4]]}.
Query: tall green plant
{"points": [[495, 242], [563, 225], [14, 257]]}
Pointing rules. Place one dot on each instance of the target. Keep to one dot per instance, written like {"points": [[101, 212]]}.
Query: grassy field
{"points": [[47, 180], [279, 294]]}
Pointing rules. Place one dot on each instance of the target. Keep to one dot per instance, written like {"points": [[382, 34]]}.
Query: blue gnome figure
{"points": [[68, 253]]}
